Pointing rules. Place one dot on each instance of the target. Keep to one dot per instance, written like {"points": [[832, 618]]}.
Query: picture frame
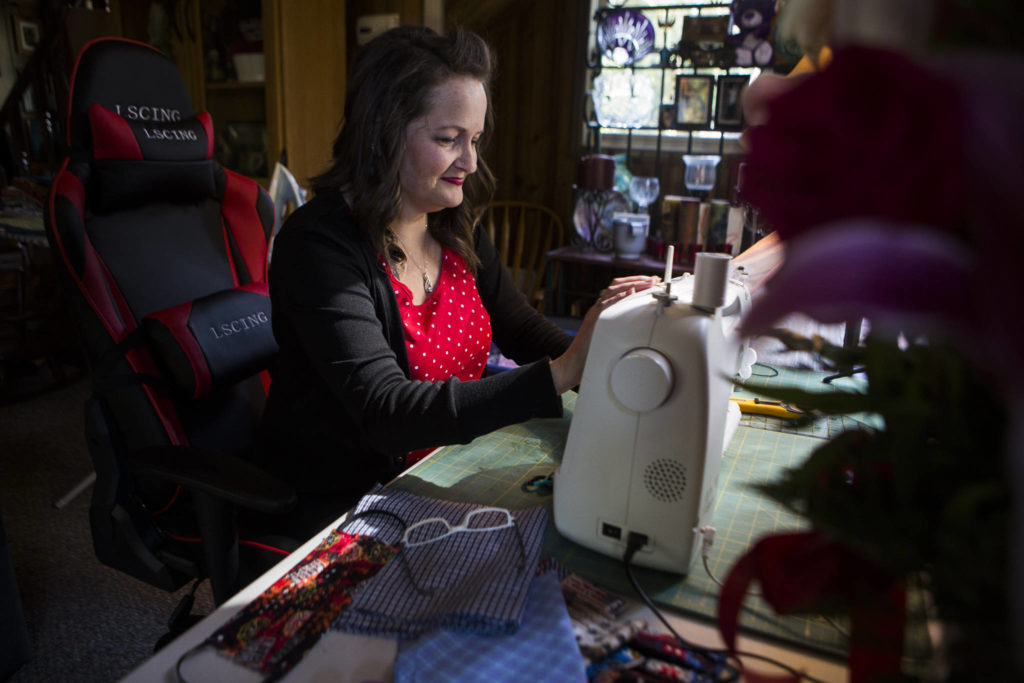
{"points": [[708, 32], [667, 116], [703, 41], [729, 102], [27, 35], [242, 147], [694, 101]]}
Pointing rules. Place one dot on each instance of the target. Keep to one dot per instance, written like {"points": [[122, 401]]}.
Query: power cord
{"points": [[772, 372], [181, 618], [634, 542], [708, 539]]}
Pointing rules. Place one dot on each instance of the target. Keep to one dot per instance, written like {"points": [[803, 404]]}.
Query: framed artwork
{"points": [[693, 101], [703, 41], [729, 102], [667, 116], [242, 147], [27, 35], [707, 32]]}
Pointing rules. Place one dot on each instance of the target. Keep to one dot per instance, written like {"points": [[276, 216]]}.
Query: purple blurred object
{"points": [[625, 36], [909, 278]]}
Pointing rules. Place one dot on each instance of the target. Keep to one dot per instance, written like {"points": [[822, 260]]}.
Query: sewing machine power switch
{"points": [[611, 531], [641, 380]]}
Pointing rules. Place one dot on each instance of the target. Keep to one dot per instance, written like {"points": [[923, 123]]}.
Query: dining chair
{"points": [[524, 233]]}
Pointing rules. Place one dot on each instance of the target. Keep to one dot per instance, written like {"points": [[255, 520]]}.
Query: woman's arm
{"points": [[330, 307], [519, 330]]}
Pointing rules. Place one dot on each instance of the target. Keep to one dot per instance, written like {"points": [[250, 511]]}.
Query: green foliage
{"points": [[927, 492]]}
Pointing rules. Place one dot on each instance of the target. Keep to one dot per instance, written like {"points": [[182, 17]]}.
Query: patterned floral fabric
{"points": [[273, 632]]}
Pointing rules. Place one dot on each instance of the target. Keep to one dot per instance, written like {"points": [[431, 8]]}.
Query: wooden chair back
{"points": [[523, 234]]}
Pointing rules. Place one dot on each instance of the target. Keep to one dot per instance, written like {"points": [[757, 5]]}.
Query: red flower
{"points": [[875, 134]]}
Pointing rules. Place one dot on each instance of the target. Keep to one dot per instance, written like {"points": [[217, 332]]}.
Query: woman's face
{"points": [[440, 146]]}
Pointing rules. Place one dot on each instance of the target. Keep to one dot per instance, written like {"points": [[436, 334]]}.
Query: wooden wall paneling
{"points": [[187, 51], [313, 59], [505, 136], [409, 12], [124, 19], [273, 95], [433, 14], [82, 25], [567, 115], [517, 92], [474, 13], [130, 19], [537, 98]]}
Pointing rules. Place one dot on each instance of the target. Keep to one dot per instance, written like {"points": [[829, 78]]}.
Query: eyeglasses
{"points": [[434, 529]]}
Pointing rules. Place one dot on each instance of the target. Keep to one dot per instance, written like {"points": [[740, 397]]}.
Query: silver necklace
{"points": [[428, 286]]}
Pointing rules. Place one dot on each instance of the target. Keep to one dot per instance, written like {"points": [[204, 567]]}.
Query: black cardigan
{"points": [[342, 411]]}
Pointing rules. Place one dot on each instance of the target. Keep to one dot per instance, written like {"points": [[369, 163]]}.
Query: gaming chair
{"points": [[162, 254]]}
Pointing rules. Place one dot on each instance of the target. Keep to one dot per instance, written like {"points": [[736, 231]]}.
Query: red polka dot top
{"points": [[449, 334]]}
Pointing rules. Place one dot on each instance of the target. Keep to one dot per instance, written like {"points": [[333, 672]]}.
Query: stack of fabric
{"points": [[465, 606], [471, 582]]}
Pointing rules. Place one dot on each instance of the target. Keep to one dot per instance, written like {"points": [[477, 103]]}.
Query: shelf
{"points": [[717, 131], [236, 85]]}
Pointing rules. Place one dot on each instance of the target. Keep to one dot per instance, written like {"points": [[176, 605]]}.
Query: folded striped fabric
{"points": [[543, 650], [476, 580]]}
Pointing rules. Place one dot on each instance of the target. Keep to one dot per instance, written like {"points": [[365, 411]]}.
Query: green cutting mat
{"points": [[492, 469]]}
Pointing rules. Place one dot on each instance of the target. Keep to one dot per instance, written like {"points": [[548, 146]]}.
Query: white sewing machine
{"points": [[653, 418]]}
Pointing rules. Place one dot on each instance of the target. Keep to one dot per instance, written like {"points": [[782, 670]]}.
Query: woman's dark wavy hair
{"points": [[388, 87]]}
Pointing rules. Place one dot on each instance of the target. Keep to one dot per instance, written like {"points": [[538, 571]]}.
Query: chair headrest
{"points": [[131, 79], [131, 116], [115, 137]]}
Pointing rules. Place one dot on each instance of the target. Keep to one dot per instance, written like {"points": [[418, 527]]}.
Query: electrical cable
{"points": [[707, 540], [185, 655], [633, 543], [708, 535], [773, 372]]}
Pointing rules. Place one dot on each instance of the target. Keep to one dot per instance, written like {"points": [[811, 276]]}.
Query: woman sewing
{"points": [[387, 294]]}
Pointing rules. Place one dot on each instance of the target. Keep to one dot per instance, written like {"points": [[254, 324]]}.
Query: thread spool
{"points": [[710, 278]]}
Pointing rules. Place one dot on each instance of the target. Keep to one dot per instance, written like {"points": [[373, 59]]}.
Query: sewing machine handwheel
{"points": [[641, 380]]}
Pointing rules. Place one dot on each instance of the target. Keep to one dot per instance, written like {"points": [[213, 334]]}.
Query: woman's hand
{"points": [[629, 284], [567, 369]]}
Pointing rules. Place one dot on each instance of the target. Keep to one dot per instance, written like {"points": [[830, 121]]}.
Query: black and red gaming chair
{"points": [[163, 257]]}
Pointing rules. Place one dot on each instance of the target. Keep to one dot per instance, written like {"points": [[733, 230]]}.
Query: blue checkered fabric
{"points": [[543, 649], [475, 580]]}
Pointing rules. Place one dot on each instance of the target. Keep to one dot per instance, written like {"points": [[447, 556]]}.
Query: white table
{"points": [[346, 657]]}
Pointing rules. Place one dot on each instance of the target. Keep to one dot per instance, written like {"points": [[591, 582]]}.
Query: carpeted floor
{"points": [[86, 622]]}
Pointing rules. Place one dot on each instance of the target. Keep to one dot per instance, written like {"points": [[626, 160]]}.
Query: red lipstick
{"points": [[453, 181]]}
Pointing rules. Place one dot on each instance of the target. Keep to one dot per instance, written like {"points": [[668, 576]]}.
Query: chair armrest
{"points": [[216, 474]]}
